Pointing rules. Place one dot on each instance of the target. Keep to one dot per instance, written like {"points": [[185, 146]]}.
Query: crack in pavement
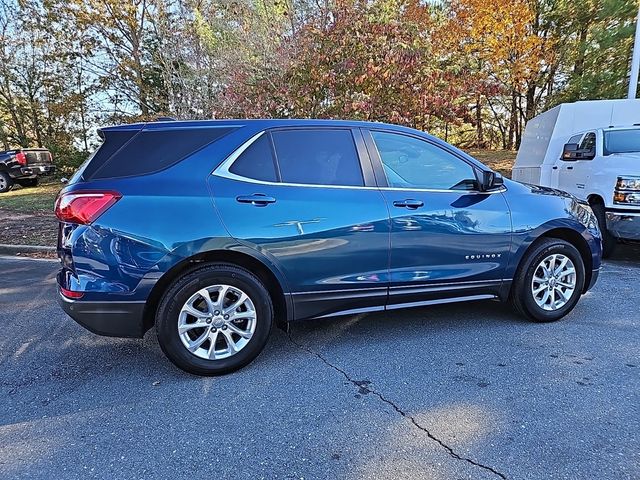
{"points": [[364, 386]]}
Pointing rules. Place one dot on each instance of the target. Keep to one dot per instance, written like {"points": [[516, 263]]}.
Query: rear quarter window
{"points": [[149, 151]]}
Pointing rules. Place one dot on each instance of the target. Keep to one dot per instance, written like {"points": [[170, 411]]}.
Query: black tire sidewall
{"points": [[527, 300], [609, 242], [179, 293], [8, 180]]}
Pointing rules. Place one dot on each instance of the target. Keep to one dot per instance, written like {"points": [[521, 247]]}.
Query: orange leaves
{"points": [[499, 36]]}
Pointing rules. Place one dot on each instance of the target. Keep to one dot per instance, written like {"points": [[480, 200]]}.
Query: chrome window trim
{"points": [[223, 171]]}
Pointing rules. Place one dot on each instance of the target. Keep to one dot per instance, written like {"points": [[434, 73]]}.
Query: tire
{"points": [[183, 292], [609, 242], [29, 182], [522, 294], [6, 182]]}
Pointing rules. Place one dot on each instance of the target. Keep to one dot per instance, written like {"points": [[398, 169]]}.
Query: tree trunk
{"points": [[3, 137], [578, 66], [513, 119], [479, 129], [531, 100]]}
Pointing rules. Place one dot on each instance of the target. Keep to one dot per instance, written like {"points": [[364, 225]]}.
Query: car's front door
{"points": [[447, 238], [306, 198], [574, 174]]}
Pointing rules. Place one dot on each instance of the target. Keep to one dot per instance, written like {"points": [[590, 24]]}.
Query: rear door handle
{"points": [[257, 199], [569, 168], [409, 203]]}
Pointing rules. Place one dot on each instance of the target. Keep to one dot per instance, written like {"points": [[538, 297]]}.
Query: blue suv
{"points": [[213, 231]]}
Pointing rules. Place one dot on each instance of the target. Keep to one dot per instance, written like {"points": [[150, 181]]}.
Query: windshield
{"points": [[621, 141]]}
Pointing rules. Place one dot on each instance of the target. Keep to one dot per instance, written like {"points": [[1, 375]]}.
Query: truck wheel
{"points": [[214, 320], [6, 182], [609, 242], [29, 182], [549, 281]]}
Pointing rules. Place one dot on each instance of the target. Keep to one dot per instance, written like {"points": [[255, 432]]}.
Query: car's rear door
{"points": [[447, 238], [306, 198]]}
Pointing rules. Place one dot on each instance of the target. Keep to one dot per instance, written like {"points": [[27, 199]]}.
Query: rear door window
{"points": [[318, 157], [256, 161]]}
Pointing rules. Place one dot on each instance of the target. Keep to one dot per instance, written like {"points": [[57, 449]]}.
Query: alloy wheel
{"points": [[554, 281], [217, 322]]}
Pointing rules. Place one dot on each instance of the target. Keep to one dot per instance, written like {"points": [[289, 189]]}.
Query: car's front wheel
{"points": [[214, 320], [549, 281]]}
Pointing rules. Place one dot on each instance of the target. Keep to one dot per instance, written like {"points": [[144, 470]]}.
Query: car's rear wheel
{"points": [[549, 281], [6, 182], [214, 320]]}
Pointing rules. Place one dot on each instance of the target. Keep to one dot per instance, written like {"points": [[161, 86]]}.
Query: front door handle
{"points": [[257, 199], [409, 203]]}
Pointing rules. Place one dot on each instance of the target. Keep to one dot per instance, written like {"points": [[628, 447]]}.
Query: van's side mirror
{"points": [[570, 152], [490, 180]]}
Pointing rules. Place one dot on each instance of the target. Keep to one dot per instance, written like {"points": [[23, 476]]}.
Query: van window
{"points": [[256, 161], [318, 156], [588, 142], [622, 141]]}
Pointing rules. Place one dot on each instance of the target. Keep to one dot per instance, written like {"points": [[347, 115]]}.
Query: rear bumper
{"points": [[623, 224], [113, 319], [32, 171]]}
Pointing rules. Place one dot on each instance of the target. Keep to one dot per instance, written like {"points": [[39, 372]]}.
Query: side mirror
{"points": [[569, 152], [489, 180]]}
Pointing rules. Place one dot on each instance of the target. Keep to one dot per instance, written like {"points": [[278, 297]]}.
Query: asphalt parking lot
{"points": [[465, 391]]}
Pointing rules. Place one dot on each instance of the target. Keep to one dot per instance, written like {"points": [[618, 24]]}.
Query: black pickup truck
{"points": [[24, 166]]}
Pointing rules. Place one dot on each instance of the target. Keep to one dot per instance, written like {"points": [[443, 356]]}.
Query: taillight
{"points": [[21, 158], [84, 207], [71, 293]]}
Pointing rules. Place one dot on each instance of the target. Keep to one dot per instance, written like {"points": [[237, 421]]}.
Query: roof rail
{"points": [[164, 119]]}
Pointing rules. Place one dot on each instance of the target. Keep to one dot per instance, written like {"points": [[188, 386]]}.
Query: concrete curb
{"points": [[13, 249]]}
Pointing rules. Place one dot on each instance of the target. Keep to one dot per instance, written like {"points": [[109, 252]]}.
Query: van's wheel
{"points": [[214, 320], [549, 281], [609, 242], [6, 182], [29, 182]]}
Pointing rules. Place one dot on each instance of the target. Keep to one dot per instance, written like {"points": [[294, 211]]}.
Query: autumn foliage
{"points": [[471, 71]]}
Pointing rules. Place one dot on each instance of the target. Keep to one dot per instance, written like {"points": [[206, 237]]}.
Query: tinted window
{"points": [[153, 150], [256, 161], [322, 157], [575, 138], [412, 163], [113, 140]]}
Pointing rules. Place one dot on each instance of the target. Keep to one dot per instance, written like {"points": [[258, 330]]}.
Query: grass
{"points": [[37, 200]]}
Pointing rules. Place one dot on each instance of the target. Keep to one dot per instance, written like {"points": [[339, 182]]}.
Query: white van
{"points": [[591, 150]]}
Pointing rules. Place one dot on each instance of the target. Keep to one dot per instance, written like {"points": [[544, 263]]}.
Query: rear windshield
{"points": [[126, 153], [621, 141]]}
